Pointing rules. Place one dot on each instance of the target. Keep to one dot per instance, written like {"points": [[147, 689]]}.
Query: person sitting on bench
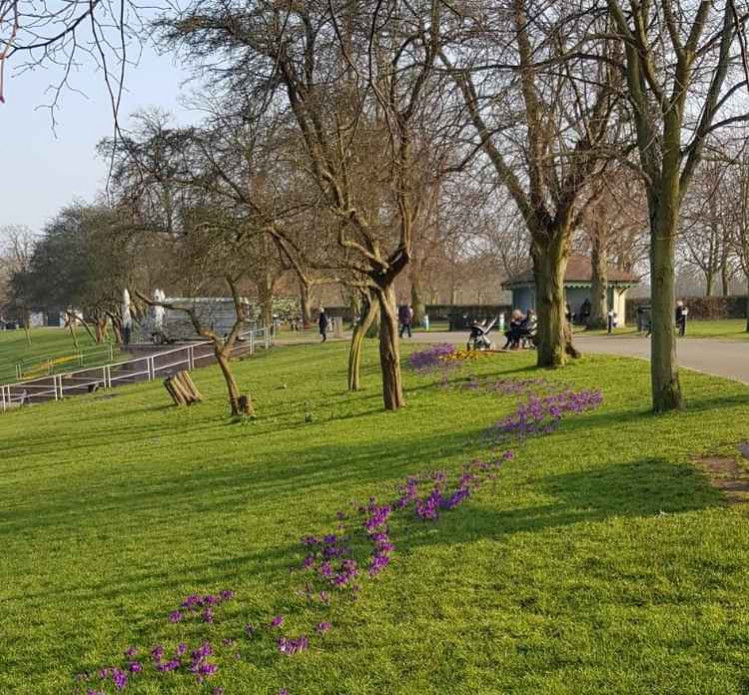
{"points": [[527, 329], [513, 332]]}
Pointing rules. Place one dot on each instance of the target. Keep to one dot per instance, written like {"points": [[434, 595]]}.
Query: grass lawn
{"points": [[46, 343], [599, 561], [728, 329]]}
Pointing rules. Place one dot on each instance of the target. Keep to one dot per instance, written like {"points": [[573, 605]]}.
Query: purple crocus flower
{"points": [[292, 646], [175, 616], [201, 652], [171, 665], [277, 621], [322, 628], [207, 615], [120, 679], [135, 667], [181, 649]]}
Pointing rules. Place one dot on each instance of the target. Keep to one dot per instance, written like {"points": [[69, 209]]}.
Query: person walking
{"points": [[405, 317], [323, 322], [681, 318]]}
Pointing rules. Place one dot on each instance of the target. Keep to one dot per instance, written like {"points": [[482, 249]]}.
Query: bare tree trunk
{"points": [[709, 283], [417, 302], [73, 335], [664, 371], [89, 331], [265, 293], [598, 284], [305, 302], [357, 345], [392, 382], [724, 279], [240, 404], [554, 334]]}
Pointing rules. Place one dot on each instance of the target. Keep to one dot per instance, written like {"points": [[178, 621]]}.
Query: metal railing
{"points": [[49, 364], [55, 387]]}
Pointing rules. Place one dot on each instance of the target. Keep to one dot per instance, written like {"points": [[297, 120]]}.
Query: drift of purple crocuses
{"points": [[329, 561]]}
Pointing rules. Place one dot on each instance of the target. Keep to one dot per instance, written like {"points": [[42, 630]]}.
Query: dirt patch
{"points": [[729, 475]]}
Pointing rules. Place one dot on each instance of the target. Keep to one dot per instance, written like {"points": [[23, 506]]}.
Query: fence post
{"points": [[111, 352], [151, 369], [252, 342], [2, 395], [191, 357], [267, 338]]}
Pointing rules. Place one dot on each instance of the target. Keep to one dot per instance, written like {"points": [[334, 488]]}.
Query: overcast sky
{"points": [[44, 170]]}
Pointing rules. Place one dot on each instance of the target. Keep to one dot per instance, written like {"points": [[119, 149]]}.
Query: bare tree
{"points": [[678, 56], [354, 83], [17, 244], [541, 111]]}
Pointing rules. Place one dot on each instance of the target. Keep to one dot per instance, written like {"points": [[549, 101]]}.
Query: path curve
{"points": [[725, 358]]}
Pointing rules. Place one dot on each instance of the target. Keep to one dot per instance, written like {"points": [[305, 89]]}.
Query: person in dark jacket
{"points": [[323, 322], [405, 317]]}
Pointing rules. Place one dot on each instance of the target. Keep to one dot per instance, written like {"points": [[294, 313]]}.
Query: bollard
{"points": [[610, 322]]}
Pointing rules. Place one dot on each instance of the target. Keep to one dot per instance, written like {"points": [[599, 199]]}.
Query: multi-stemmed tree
{"points": [[356, 83], [539, 95]]}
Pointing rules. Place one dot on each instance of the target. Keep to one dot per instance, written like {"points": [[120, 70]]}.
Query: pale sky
{"points": [[41, 170]]}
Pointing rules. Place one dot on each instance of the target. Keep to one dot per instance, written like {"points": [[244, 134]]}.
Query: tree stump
{"points": [[182, 389], [244, 405]]}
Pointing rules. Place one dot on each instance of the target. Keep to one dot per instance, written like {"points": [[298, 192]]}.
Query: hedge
{"points": [[700, 308]]}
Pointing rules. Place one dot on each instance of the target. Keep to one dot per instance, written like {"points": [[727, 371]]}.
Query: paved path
{"points": [[726, 358]]}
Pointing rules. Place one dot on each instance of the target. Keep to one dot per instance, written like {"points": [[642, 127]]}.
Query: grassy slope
{"points": [[45, 343], [601, 562]]}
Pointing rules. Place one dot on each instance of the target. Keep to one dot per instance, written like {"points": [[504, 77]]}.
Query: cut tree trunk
{"points": [[357, 345], [664, 371], [392, 383], [554, 333], [598, 285], [182, 389]]}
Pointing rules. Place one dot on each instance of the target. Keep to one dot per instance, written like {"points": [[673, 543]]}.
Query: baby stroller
{"points": [[479, 337]]}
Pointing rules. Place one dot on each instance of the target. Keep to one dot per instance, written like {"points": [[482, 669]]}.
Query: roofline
{"points": [[518, 284]]}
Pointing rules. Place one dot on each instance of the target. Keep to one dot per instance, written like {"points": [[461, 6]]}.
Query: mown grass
{"points": [[46, 344], [726, 329], [601, 561]]}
